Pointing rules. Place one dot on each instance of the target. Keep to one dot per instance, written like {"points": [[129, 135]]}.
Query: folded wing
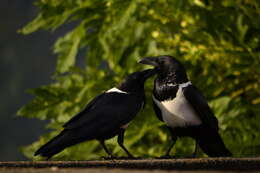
{"points": [[200, 105], [104, 114]]}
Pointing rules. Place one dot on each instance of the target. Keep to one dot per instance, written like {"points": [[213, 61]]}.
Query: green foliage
{"points": [[218, 41]]}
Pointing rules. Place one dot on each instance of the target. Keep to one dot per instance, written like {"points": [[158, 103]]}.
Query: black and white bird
{"points": [[106, 116], [182, 107]]}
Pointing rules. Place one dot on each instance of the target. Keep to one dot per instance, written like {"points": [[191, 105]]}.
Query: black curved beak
{"points": [[149, 61], [148, 73]]}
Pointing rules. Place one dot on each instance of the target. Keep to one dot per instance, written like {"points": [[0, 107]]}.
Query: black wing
{"points": [[200, 105], [76, 118], [108, 113], [157, 111]]}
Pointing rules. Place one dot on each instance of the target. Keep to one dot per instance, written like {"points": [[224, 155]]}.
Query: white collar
{"points": [[182, 85]]}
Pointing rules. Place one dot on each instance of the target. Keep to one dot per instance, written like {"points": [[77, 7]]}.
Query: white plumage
{"points": [[115, 90], [178, 112]]}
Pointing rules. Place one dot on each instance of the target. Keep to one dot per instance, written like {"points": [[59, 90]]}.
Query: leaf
{"points": [[220, 105], [67, 47], [242, 28]]}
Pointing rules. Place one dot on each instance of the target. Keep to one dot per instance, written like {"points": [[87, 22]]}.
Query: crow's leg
{"points": [[110, 156], [171, 146], [167, 154], [120, 141], [196, 149], [194, 154], [174, 139]]}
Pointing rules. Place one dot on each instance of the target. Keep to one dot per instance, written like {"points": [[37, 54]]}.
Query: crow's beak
{"points": [[148, 73], [149, 61]]}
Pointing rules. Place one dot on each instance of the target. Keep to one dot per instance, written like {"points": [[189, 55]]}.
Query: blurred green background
{"points": [[218, 41]]}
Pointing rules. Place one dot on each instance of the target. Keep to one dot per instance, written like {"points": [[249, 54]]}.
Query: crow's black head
{"points": [[168, 68], [135, 81]]}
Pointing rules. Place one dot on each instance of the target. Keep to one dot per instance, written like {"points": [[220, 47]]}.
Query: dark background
{"points": [[25, 62]]}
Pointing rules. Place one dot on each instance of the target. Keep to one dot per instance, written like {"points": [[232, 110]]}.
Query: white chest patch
{"points": [[178, 112], [115, 90]]}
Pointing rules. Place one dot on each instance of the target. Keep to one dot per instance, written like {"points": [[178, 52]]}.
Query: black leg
{"points": [[196, 149], [174, 138], [102, 142], [120, 141], [170, 148]]}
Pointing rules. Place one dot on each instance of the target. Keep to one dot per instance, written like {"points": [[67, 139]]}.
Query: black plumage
{"points": [[106, 116], [183, 108]]}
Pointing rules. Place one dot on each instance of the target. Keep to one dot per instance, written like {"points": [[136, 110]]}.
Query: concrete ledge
{"points": [[231, 164]]}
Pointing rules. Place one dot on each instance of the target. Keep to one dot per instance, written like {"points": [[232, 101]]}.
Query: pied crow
{"points": [[104, 117], [183, 108]]}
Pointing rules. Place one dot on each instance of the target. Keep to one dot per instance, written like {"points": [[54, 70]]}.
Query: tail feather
{"points": [[56, 145], [213, 145]]}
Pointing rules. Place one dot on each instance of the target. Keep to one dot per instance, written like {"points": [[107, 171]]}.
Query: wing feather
{"points": [[77, 118], [107, 111], [200, 105]]}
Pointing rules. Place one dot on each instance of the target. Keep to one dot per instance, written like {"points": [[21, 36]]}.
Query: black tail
{"points": [[212, 144], [57, 144]]}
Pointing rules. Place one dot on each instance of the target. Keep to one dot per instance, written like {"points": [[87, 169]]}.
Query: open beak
{"points": [[149, 61]]}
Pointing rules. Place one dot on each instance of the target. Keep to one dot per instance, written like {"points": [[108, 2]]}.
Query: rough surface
{"points": [[98, 170], [200, 164]]}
